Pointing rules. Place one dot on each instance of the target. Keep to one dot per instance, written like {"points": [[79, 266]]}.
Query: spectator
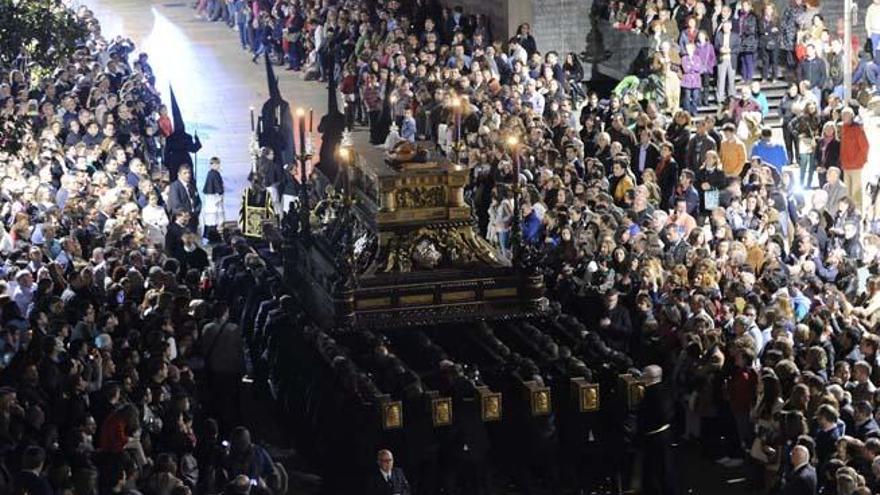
{"points": [[853, 155], [770, 152]]}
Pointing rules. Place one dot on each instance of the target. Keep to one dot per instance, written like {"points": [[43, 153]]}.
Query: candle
{"points": [[301, 122], [252, 119], [311, 118], [516, 168], [290, 110], [456, 113]]}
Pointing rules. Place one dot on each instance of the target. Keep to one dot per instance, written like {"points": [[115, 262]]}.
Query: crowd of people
{"points": [[121, 352], [693, 41], [744, 264], [716, 263]]}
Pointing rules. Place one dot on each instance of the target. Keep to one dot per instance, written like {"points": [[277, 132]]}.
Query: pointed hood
{"points": [[271, 80], [179, 126], [332, 104], [276, 129]]}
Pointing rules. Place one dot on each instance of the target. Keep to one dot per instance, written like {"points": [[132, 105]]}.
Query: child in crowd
{"points": [[213, 198]]}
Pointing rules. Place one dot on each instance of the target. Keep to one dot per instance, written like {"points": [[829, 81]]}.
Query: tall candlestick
{"points": [[311, 119], [252, 119], [302, 130], [293, 121]]}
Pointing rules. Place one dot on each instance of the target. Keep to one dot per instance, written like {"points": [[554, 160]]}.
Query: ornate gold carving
{"points": [[539, 398], [634, 389], [587, 394], [420, 197], [428, 248], [541, 402], [392, 415], [441, 411], [491, 406], [255, 210]]}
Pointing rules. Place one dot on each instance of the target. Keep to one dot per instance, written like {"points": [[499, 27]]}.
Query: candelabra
{"points": [[516, 229], [457, 108], [305, 154]]}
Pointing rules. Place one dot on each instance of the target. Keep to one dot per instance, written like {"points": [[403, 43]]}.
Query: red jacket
{"points": [[112, 436], [742, 389], [853, 147]]}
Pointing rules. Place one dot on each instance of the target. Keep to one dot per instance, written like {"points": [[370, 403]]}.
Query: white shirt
{"points": [[23, 297]]}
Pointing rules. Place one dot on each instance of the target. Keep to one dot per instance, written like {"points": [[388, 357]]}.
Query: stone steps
{"points": [[774, 91]]}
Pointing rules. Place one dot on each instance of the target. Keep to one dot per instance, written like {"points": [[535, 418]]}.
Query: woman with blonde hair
{"points": [[827, 151], [649, 182]]}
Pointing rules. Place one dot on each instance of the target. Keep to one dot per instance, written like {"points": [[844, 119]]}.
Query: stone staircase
{"points": [[773, 90], [833, 12]]}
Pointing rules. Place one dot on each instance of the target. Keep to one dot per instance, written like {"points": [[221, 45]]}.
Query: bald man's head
{"points": [[800, 455], [652, 374]]}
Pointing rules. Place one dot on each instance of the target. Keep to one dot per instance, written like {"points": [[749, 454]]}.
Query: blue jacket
{"points": [[772, 153], [408, 129], [532, 228], [761, 99]]}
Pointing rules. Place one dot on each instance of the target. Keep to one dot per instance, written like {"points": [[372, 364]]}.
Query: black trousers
{"points": [[375, 127], [769, 62], [659, 476], [225, 399]]}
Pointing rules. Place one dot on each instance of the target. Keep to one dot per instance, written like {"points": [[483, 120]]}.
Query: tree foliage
{"points": [[42, 31]]}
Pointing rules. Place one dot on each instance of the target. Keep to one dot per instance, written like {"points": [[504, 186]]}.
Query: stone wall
{"points": [[561, 25], [504, 15]]}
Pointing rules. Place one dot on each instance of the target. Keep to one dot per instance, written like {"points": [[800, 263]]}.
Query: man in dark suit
{"points": [[184, 196], [647, 154], [30, 479], [622, 134], [616, 323], [654, 427], [802, 479], [389, 480], [174, 235], [866, 425], [828, 433]]}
